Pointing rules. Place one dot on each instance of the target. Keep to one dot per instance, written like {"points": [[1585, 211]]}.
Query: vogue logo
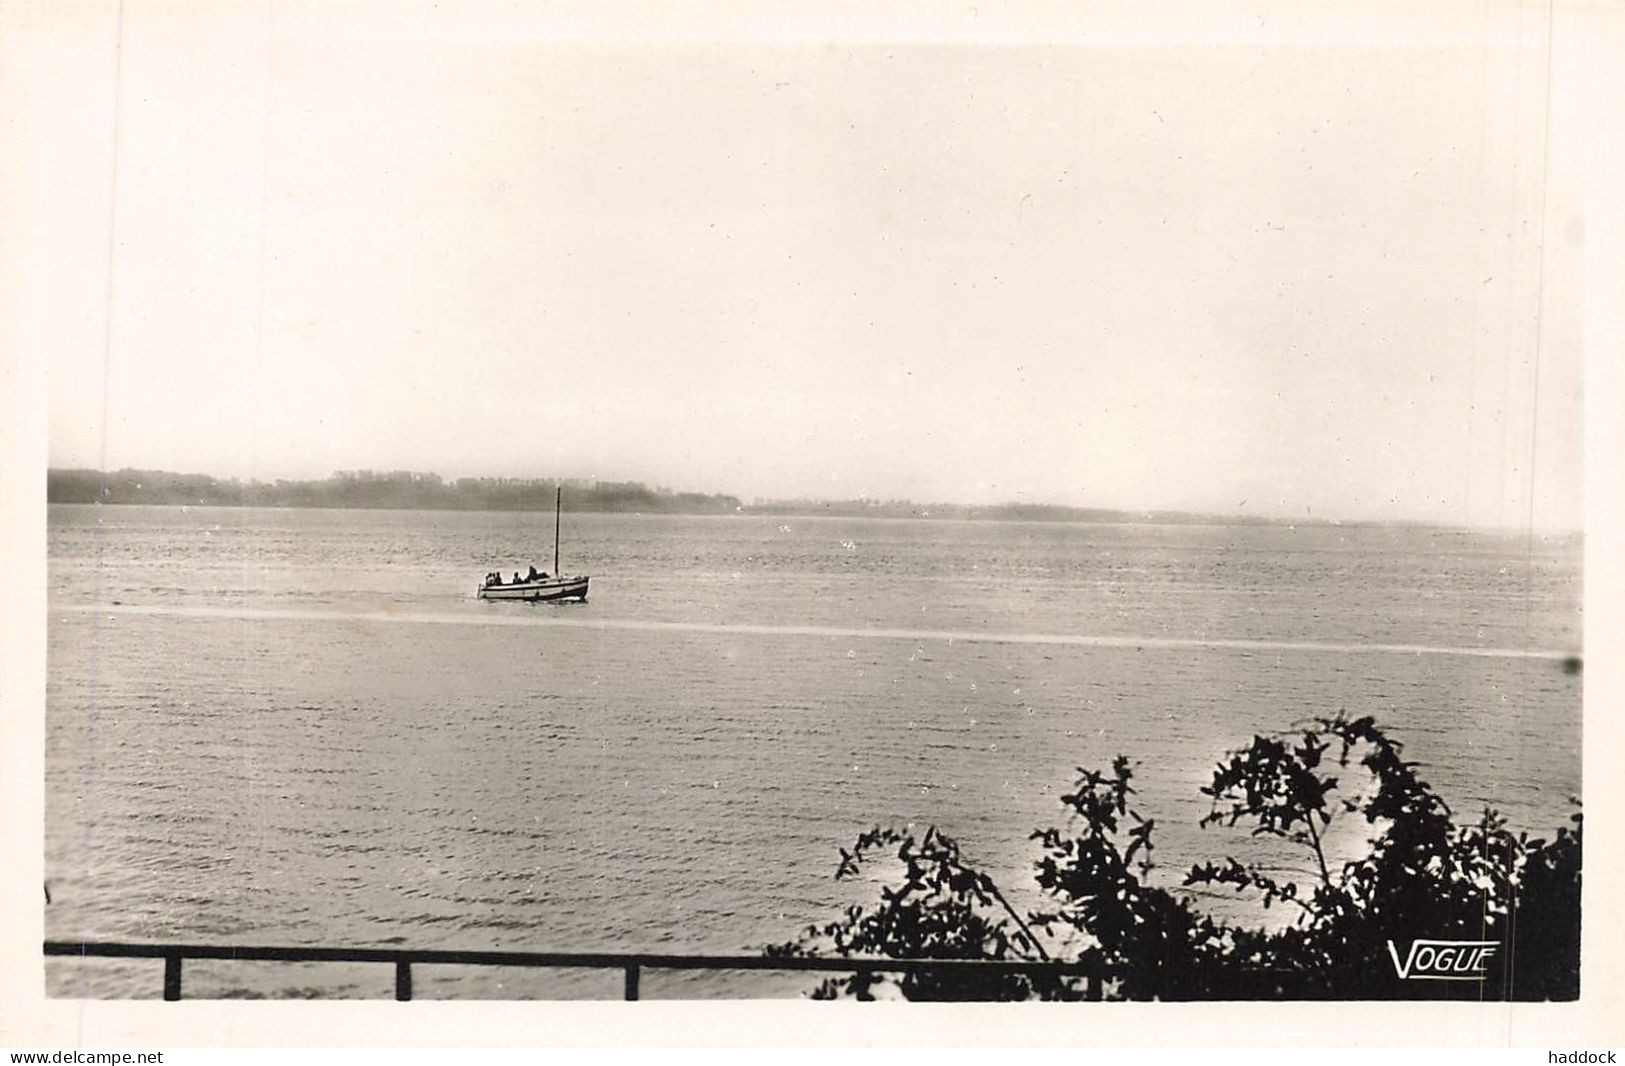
{"points": [[1444, 960]]}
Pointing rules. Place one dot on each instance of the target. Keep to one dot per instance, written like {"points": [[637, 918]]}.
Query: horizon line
{"points": [[1176, 514]]}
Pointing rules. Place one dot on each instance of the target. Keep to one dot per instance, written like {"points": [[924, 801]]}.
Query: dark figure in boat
{"points": [[493, 579]]}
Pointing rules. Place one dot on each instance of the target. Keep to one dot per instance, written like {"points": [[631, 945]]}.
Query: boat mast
{"points": [[558, 503]]}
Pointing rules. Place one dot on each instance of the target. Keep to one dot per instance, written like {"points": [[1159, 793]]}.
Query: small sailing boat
{"points": [[535, 587]]}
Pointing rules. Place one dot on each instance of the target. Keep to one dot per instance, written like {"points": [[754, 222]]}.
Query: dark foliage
{"points": [[1421, 876], [942, 909]]}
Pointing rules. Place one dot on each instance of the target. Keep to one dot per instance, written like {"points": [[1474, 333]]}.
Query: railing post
{"points": [[1095, 992], [172, 978], [403, 980], [631, 981], [865, 979]]}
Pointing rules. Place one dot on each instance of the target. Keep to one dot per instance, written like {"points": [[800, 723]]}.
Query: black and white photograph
{"points": [[566, 503]]}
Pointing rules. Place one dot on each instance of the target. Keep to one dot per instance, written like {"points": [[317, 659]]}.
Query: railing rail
{"points": [[632, 964]]}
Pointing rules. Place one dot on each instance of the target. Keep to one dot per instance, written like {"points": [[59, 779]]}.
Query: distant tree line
{"points": [[413, 490], [395, 489]]}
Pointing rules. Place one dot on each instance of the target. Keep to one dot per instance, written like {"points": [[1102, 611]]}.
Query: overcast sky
{"points": [[1226, 266]]}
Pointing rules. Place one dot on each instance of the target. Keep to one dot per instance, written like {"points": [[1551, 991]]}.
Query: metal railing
{"points": [[631, 964]]}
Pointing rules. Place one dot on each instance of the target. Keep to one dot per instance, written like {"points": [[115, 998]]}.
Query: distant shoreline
{"points": [[411, 491], [370, 490]]}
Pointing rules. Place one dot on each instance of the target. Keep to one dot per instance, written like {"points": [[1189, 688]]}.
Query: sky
{"points": [[1255, 266]]}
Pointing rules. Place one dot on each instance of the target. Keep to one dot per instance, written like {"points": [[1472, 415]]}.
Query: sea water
{"points": [[300, 727]]}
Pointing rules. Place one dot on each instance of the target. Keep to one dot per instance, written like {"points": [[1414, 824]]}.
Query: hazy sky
{"points": [[1225, 266]]}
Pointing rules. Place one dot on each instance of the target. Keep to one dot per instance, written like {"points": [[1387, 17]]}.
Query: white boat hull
{"points": [[552, 588]]}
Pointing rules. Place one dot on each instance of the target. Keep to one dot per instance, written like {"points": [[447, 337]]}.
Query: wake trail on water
{"points": [[936, 635]]}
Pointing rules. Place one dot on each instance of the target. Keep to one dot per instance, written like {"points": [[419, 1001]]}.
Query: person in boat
{"points": [[532, 575], [516, 577]]}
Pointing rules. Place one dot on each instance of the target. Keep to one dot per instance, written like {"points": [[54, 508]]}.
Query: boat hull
{"points": [[553, 588]]}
